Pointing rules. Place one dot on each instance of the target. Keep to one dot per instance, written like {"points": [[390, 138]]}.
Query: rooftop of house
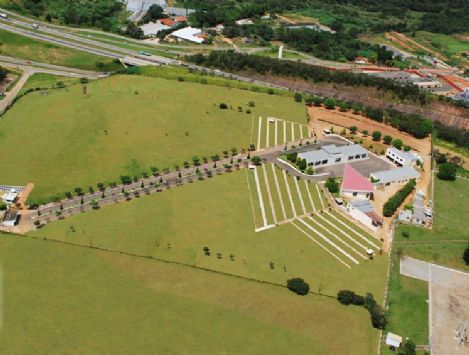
{"points": [[331, 151], [402, 153], [367, 208], [354, 181], [395, 174]]}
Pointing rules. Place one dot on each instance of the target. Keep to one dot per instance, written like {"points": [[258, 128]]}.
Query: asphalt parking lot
{"points": [[364, 167]]}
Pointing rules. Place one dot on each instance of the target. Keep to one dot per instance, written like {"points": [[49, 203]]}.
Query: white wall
{"points": [[358, 196], [361, 217]]}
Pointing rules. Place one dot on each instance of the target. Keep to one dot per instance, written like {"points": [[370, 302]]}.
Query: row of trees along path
{"points": [[145, 186]]}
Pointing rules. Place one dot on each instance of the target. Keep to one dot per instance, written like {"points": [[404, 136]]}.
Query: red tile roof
{"points": [[167, 21], [354, 181], [180, 19]]}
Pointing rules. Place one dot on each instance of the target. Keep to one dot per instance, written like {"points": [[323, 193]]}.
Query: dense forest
{"points": [[94, 13]]}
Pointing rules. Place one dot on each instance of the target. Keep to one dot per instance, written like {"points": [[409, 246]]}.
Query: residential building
{"points": [[397, 175], [361, 60], [189, 34], [10, 217], [400, 157], [244, 21], [355, 185], [332, 155], [10, 197], [364, 212], [178, 11]]}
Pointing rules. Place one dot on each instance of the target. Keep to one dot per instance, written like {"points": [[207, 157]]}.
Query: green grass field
{"points": [[46, 81], [445, 243], [96, 302], [14, 45], [178, 223], [125, 125]]}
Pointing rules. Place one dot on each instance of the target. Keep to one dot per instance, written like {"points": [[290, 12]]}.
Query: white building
{"points": [[354, 185], [10, 197], [332, 155], [244, 21], [400, 157], [364, 212], [189, 34], [396, 175], [9, 218], [393, 340]]}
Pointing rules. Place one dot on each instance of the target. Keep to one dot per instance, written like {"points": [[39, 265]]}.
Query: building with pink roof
{"points": [[355, 185]]}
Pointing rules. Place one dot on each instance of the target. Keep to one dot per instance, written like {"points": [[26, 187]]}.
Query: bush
{"points": [[397, 143], [387, 139], [447, 171], [465, 255], [298, 285], [329, 104], [252, 104], [223, 106], [332, 185], [298, 97], [408, 348], [353, 129], [292, 157], [302, 164], [376, 136], [395, 201]]}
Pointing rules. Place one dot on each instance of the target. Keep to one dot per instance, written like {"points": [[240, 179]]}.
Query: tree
{"points": [[408, 348], [302, 164], [298, 285], [196, 160], [223, 106], [397, 143], [345, 297], [447, 171], [84, 80], [329, 104], [79, 191], [292, 156], [465, 256], [134, 31], [332, 185], [365, 132], [387, 139], [406, 148], [353, 129], [155, 12], [60, 84], [376, 136], [298, 97], [256, 160]]}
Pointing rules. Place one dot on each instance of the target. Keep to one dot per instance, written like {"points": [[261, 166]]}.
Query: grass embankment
{"points": [[97, 302], [178, 223], [444, 244], [17, 46], [45, 81], [123, 126]]}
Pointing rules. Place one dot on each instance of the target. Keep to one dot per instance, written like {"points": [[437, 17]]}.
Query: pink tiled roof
{"points": [[354, 181]]}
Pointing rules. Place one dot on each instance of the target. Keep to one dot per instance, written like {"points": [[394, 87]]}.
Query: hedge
{"points": [[395, 201]]}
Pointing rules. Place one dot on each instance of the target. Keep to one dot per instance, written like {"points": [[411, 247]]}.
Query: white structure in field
{"points": [[189, 34], [280, 52], [397, 175], [393, 340], [400, 157], [332, 155], [354, 185], [364, 212], [9, 218], [10, 197]]}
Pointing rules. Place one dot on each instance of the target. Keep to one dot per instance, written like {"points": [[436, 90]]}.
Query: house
{"points": [[179, 19], [355, 185], [332, 155], [400, 157], [10, 197], [393, 340], [167, 22], [244, 21], [10, 218], [178, 11], [364, 212], [153, 28], [397, 175], [189, 34], [361, 60]]}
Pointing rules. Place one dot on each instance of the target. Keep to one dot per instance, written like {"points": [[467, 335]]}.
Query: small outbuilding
{"points": [[10, 197], [10, 218], [401, 158], [355, 185], [364, 212], [394, 341]]}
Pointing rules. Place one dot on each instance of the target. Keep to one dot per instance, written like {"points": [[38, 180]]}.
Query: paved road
{"points": [[29, 68]]}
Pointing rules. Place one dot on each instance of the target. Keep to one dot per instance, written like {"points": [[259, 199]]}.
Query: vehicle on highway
{"points": [[144, 53], [4, 15], [35, 26]]}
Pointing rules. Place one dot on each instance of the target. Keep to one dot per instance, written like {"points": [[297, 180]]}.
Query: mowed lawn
{"points": [[63, 299], [62, 139], [17, 46], [445, 242], [177, 224]]}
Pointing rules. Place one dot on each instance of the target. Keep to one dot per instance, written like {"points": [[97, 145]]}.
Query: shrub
{"points": [[256, 160], [329, 104], [465, 255], [298, 285], [346, 297], [395, 201], [332, 185], [406, 148], [387, 139], [397, 143], [298, 97], [353, 129], [376, 136], [292, 157], [251, 104], [302, 164], [447, 171], [223, 106]]}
